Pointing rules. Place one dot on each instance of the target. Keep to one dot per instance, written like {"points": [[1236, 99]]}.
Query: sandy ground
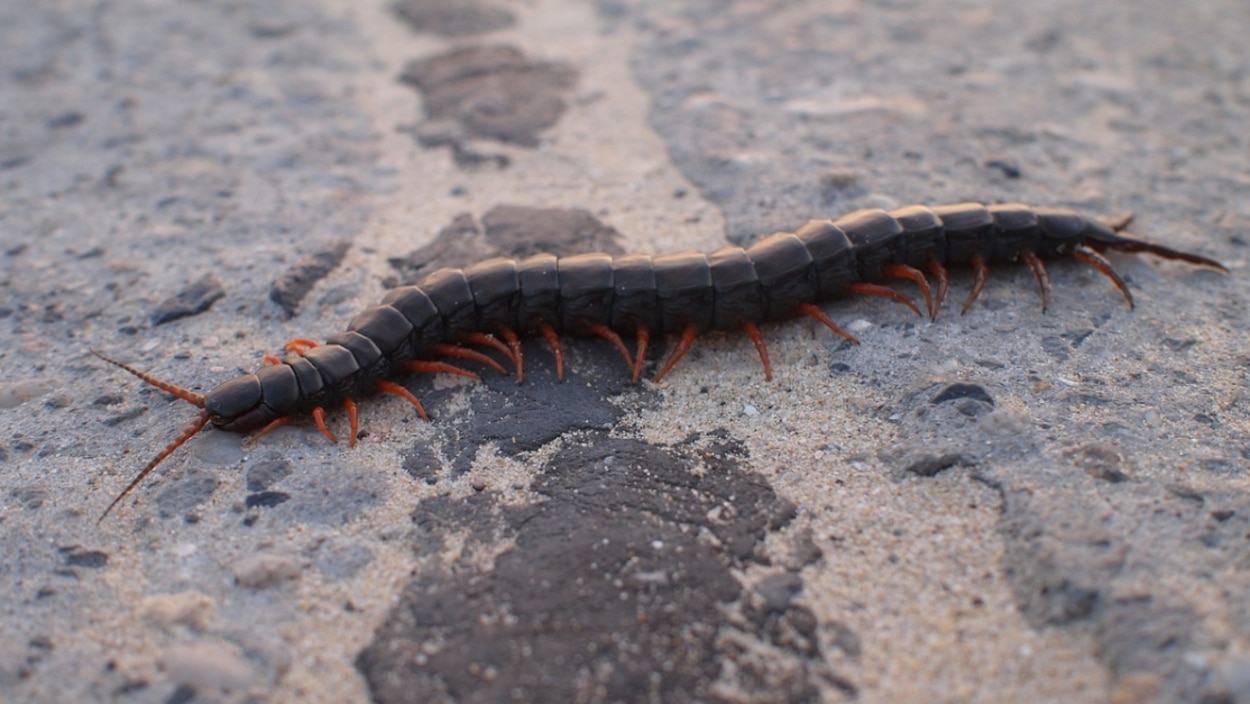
{"points": [[1071, 525]]}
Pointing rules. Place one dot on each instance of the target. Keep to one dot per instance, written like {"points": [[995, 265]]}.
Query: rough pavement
{"points": [[1000, 506]]}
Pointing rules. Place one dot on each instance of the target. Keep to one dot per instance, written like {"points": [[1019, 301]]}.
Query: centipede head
{"points": [[187, 433]]}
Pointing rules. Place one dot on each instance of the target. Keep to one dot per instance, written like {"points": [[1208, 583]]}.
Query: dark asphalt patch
{"points": [[192, 300], [521, 418], [509, 231], [615, 587], [488, 92], [462, 18], [289, 289]]}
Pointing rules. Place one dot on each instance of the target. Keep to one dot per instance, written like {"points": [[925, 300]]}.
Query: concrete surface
{"points": [[1000, 506]]}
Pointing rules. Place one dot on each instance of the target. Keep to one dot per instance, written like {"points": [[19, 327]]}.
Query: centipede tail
{"points": [[491, 305]]}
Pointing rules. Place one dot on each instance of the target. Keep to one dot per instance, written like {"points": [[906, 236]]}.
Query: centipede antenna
{"points": [[1166, 253], [184, 394], [1121, 222], [1124, 241], [187, 433]]}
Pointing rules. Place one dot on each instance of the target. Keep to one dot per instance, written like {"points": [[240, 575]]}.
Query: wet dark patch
{"points": [[192, 300], [125, 415], [295, 283], [1057, 347], [1078, 337], [422, 463], [185, 494], [1148, 635], [66, 119], [779, 590], [1084, 399], [1009, 168], [963, 391], [931, 465], [78, 557], [28, 497], [607, 592], [1100, 461], [462, 18], [266, 473], [329, 494], [111, 398], [508, 231], [488, 92], [266, 499]]}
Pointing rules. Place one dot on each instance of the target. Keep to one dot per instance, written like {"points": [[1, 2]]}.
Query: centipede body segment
{"points": [[494, 303]]}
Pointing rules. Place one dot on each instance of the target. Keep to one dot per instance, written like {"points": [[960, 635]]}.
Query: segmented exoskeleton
{"points": [[498, 301]]}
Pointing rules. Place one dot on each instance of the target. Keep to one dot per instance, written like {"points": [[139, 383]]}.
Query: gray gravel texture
{"points": [[1001, 506]]}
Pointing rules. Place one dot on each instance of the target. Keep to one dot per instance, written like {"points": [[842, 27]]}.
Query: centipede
{"points": [[489, 307]]}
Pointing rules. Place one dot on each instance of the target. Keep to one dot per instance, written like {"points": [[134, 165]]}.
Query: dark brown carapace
{"points": [[495, 303]]}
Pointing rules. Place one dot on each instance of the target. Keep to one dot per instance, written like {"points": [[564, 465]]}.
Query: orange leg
{"points": [[902, 271], [939, 274], [883, 291], [1039, 273], [514, 344], [981, 273], [466, 353], [610, 335], [813, 311], [1104, 267], [557, 350], [643, 336], [273, 425], [688, 334], [319, 417], [300, 345], [390, 387], [270, 360], [488, 340], [353, 418], [753, 332], [426, 366]]}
